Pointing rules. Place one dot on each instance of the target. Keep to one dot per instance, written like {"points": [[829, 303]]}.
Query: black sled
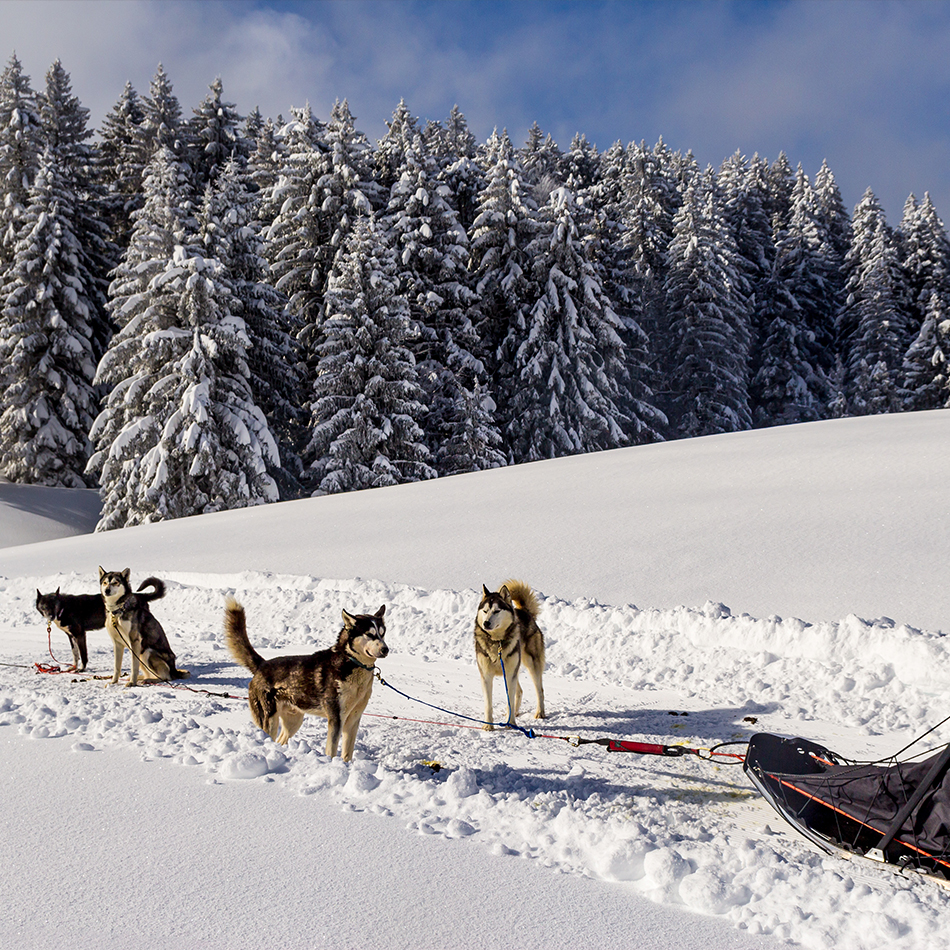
{"points": [[895, 813]]}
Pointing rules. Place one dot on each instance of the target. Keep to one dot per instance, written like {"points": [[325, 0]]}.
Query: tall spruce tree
{"points": [[229, 232], [64, 123], [47, 341], [925, 259], [709, 319], [120, 165], [144, 308], [503, 229], [215, 133], [367, 400], [180, 433], [925, 371], [873, 322], [21, 144], [571, 362], [432, 250]]}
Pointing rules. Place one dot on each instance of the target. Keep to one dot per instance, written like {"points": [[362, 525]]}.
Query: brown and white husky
{"points": [[335, 683], [507, 636]]}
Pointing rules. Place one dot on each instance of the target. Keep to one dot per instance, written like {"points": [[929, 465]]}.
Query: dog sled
{"points": [[894, 813]]}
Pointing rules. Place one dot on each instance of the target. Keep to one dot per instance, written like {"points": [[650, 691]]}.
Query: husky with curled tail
{"points": [[507, 636], [335, 683], [132, 626]]}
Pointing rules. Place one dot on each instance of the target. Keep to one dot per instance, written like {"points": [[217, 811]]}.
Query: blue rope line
{"points": [[528, 733]]}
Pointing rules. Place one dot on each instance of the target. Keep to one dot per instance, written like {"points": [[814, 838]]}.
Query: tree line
{"points": [[218, 310]]}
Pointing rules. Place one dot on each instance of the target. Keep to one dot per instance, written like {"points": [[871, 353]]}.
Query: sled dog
{"points": [[74, 614], [131, 625], [335, 683], [507, 635]]}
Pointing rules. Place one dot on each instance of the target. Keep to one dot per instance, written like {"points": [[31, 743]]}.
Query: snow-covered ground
{"points": [[157, 816]]}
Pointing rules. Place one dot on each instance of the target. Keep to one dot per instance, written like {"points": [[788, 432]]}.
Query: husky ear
{"points": [[504, 595], [485, 591], [127, 572], [348, 619], [101, 572], [57, 592], [379, 613]]}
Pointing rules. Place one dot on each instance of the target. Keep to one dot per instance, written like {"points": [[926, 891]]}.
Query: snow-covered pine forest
{"points": [[211, 310]]}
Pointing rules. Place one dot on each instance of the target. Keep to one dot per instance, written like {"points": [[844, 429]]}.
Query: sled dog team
{"points": [[335, 683]]}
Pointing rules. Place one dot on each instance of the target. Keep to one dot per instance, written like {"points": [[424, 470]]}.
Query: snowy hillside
{"points": [[228, 840]]}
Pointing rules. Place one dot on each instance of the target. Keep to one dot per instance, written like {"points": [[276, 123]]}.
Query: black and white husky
{"points": [[507, 635], [335, 683], [131, 625], [74, 614]]}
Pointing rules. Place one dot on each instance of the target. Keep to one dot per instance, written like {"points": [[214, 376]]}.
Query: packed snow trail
{"points": [[680, 831]]}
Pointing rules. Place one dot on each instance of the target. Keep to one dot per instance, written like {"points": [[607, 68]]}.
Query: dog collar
{"points": [[369, 669]]}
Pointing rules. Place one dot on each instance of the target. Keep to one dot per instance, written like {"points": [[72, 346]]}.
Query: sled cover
{"points": [[897, 812]]}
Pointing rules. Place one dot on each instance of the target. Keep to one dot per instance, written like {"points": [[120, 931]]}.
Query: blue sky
{"points": [[863, 83]]}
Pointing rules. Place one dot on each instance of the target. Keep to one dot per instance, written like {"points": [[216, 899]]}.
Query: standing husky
{"points": [[507, 631], [130, 624], [334, 683], [74, 614]]}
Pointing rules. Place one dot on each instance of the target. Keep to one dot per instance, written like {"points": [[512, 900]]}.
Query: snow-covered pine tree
{"points": [[709, 319], [925, 258], [347, 189], [120, 164], [650, 200], [796, 342], [264, 166], [504, 227], [162, 126], [180, 433], [296, 244], [571, 362], [456, 153], [144, 309], [215, 133], [541, 160], [367, 400], [605, 201], [432, 251], [391, 149], [64, 128], [580, 166], [873, 322], [781, 181], [21, 143], [229, 232], [925, 372], [836, 231], [47, 346]]}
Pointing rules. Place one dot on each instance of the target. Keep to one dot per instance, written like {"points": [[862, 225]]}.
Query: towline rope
{"points": [[712, 754], [611, 745]]}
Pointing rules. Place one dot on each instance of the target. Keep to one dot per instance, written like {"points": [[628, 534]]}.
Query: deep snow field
{"points": [[160, 816]]}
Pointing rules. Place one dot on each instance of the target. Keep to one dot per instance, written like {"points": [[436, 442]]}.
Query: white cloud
{"points": [[864, 85]]}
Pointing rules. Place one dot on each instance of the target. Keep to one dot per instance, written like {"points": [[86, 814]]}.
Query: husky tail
{"points": [[158, 589], [235, 635], [522, 596]]}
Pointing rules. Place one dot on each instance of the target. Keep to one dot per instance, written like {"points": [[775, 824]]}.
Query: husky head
{"points": [[495, 613], [364, 636], [114, 585], [49, 605]]}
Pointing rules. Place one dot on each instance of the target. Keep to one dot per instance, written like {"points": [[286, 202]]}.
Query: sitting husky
{"points": [[75, 614], [334, 683], [131, 625], [507, 632]]}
